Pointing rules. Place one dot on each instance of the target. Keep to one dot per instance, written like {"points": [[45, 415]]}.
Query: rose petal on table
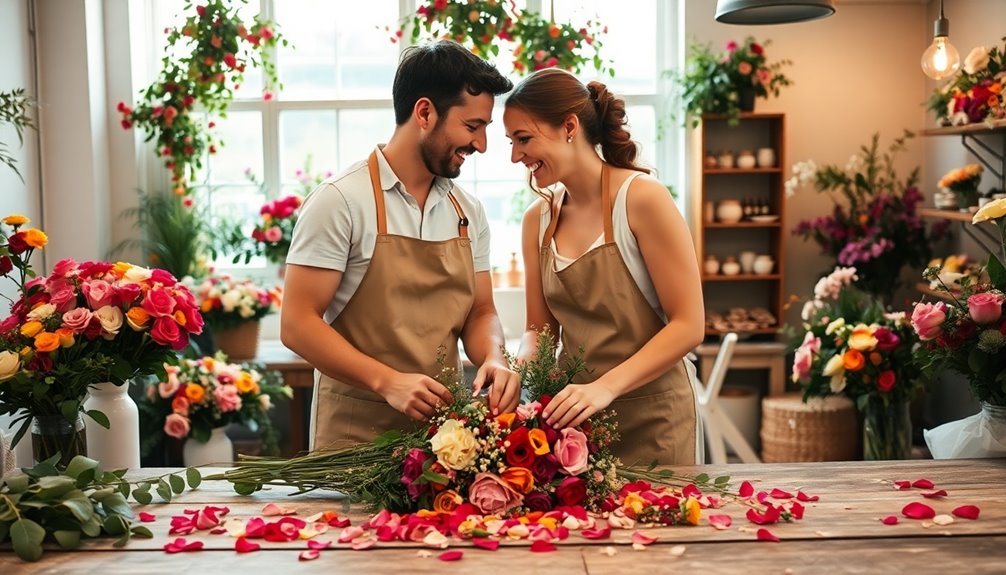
{"points": [[931, 494], [923, 484], [780, 494], [362, 544], [608, 550], [691, 490], [642, 538], [801, 496], [746, 490], [766, 535], [147, 517], [435, 539], [482, 542], [638, 547], [309, 555], [602, 533], [902, 485], [770, 516], [242, 545], [677, 550], [796, 510], [889, 520], [761, 497], [967, 512], [424, 554], [542, 547], [180, 544], [350, 533], [916, 510], [943, 519], [319, 545], [218, 530], [273, 509], [720, 522], [255, 527], [452, 555]]}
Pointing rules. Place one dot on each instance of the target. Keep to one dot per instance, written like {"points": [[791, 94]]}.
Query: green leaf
{"points": [[53, 487], [79, 464], [701, 478], [193, 476], [164, 490], [27, 537], [122, 541], [70, 410], [17, 483], [141, 531], [143, 497], [721, 480], [997, 273], [177, 483], [99, 417], [91, 527], [67, 539], [85, 478], [115, 525], [245, 488], [81, 507], [117, 504]]}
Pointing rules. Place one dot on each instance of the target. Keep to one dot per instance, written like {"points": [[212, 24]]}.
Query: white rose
{"points": [[834, 367], [111, 320], [41, 312], [837, 383], [230, 300], [977, 60], [455, 445], [137, 274], [10, 363]]}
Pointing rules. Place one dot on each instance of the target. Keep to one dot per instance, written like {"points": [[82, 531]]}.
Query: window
{"points": [[336, 104]]}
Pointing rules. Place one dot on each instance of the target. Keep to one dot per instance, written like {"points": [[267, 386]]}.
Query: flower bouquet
{"points": [[852, 347], [88, 323], [975, 94], [727, 83], [963, 182], [227, 302], [199, 395], [874, 225]]}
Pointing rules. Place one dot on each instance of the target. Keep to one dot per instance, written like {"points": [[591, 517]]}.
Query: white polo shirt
{"points": [[337, 225]]}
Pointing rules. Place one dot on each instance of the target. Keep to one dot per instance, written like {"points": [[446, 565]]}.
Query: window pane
{"points": [[361, 130], [333, 54], [307, 146], [642, 126], [241, 134]]}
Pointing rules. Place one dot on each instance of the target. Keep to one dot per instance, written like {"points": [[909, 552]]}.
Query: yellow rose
{"points": [[834, 366], [10, 363], [834, 326], [16, 220], [31, 328], [455, 445], [35, 238], [862, 338], [693, 511], [990, 211]]}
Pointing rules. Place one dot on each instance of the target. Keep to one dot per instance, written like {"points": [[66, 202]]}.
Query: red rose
{"points": [[886, 381], [5, 265], [572, 491], [520, 452]]}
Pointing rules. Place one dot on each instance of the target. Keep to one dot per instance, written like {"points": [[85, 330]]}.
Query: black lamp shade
{"points": [[772, 11]]}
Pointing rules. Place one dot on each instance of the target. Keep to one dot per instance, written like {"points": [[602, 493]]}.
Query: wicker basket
{"points": [[239, 343], [823, 429]]}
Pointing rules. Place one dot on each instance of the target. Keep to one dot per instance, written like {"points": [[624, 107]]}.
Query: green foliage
{"points": [[547, 373], [43, 504], [543, 44], [478, 24], [14, 106], [175, 234]]}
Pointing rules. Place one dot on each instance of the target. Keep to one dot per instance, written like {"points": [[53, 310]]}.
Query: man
{"points": [[389, 261]]}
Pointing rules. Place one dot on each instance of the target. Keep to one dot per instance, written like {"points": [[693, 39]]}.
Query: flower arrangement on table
{"points": [[227, 302], [852, 347], [204, 64], [963, 182], [199, 395], [86, 323], [975, 94], [727, 82], [874, 225], [966, 331]]}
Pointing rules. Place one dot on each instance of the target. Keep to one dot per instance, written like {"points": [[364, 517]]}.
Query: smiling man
{"points": [[390, 261]]}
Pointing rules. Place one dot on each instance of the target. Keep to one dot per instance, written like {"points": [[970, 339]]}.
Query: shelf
{"points": [[740, 225], [977, 129], [946, 214], [993, 159], [739, 277], [741, 170]]}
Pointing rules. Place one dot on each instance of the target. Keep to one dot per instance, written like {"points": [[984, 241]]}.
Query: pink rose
{"points": [[571, 451], [77, 319], [273, 234], [158, 302], [928, 318], [99, 293], [227, 398], [412, 468], [63, 295], [163, 277], [63, 268], [526, 411], [176, 426], [166, 332], [492, 495], [127, 293], [986, 307], [168, 388]]}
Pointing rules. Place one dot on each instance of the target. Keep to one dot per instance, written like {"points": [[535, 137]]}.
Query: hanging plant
{"points": [[488, 26], [14, 106], [204, 64]]}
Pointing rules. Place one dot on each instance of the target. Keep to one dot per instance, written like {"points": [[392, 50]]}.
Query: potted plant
{"points": [[233, 307]]}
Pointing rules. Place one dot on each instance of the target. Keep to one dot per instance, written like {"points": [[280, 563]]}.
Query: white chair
{"points": [[718, 428]]}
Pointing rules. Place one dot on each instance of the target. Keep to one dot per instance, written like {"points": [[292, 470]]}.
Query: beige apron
{"points": [[414, 297], [599, 306]]}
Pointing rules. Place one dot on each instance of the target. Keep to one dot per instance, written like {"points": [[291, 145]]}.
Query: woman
{"points": [[609, 260]]}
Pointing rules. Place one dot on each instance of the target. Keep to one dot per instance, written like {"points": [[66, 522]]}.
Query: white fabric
{"points": [[624, 240], [337, 226], [971, 437]]}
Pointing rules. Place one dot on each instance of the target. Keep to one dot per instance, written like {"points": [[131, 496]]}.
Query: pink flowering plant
{"points": [[965, 331], [875, 224], [199, 395], [227, 302]]}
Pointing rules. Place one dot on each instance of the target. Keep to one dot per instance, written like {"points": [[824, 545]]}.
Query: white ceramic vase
{"points": [[117, 447], [219, 450]]}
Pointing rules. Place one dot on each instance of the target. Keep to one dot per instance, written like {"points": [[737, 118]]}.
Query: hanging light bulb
{"points": [[941, 60]]}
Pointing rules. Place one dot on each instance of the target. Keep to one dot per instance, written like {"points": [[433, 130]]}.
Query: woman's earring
{"points": [[569, 139]]}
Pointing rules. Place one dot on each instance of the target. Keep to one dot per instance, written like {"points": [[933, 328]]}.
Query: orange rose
{"points": [[35, 238], [539, 442], [853, 360], [46, 341], [66, 338], [137, 318], [194, 392], [505, 420], [447, 501], [693, 511], [31, 328], [244, 382], [519, 478]]}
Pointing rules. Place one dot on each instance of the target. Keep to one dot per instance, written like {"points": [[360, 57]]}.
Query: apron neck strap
{"points": [[609, 234], [382, 214]]}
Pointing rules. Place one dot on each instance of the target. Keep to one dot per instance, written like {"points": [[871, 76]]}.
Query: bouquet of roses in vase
{"points": [[852, 347], [87, 323], [198, 396], [965, 332], [964, 183], [233, 308]]}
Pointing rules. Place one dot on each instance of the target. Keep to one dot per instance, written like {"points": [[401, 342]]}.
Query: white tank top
{"points": [[624, 241]]}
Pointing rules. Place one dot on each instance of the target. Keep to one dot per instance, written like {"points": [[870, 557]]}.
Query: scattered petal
{"points": [[943, 519], [451, 555], [180, 544], [435, 539], [796, 510], [147, 517], [801, 496], [889, 520], [309, 555], [423, 553], [597, 533], [642, 538], [490, 544], [720, 522], [350, 533], [362, 544], [272, 510], [242, 545], [916, 510], [542, 547], [923, 484], [746, 490], [967, 512], [931, 494], [780, 494], [766, 535], [902, 485], [638, 547], [609, 551], [677, 550], [319, 545]]}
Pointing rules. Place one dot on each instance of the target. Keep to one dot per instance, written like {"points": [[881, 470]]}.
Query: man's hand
{"points": [[414, 394], [504, 386]]}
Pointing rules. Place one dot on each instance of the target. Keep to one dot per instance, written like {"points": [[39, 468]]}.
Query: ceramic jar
{"points": [[729, 211], [747, 261], [766, 158], [763, 265], [711, 266], [117, 447], [746, 160], [726, 159], [730, 266]]}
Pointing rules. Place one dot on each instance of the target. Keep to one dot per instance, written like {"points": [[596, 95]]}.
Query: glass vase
{"points": [[995, 420], [887, 430], [52, 434]]}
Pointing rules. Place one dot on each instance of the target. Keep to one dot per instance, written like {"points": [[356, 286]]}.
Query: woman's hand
{"points": [[504, 386], [575, 403]]}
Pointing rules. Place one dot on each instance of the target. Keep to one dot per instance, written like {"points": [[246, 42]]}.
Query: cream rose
{"points": [[455, 445], [990, 211], [10, 363], [111, 320], [977, 60]]}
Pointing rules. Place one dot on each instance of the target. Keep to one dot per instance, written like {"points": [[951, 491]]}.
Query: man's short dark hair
{"points": [[440, 71]]}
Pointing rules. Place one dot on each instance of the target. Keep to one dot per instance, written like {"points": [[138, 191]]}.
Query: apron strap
{"points": [[462, 219], [375, 181], [609, 234]]}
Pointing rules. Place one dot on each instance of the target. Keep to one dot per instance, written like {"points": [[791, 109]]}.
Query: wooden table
{"points": [[841, 533]]}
